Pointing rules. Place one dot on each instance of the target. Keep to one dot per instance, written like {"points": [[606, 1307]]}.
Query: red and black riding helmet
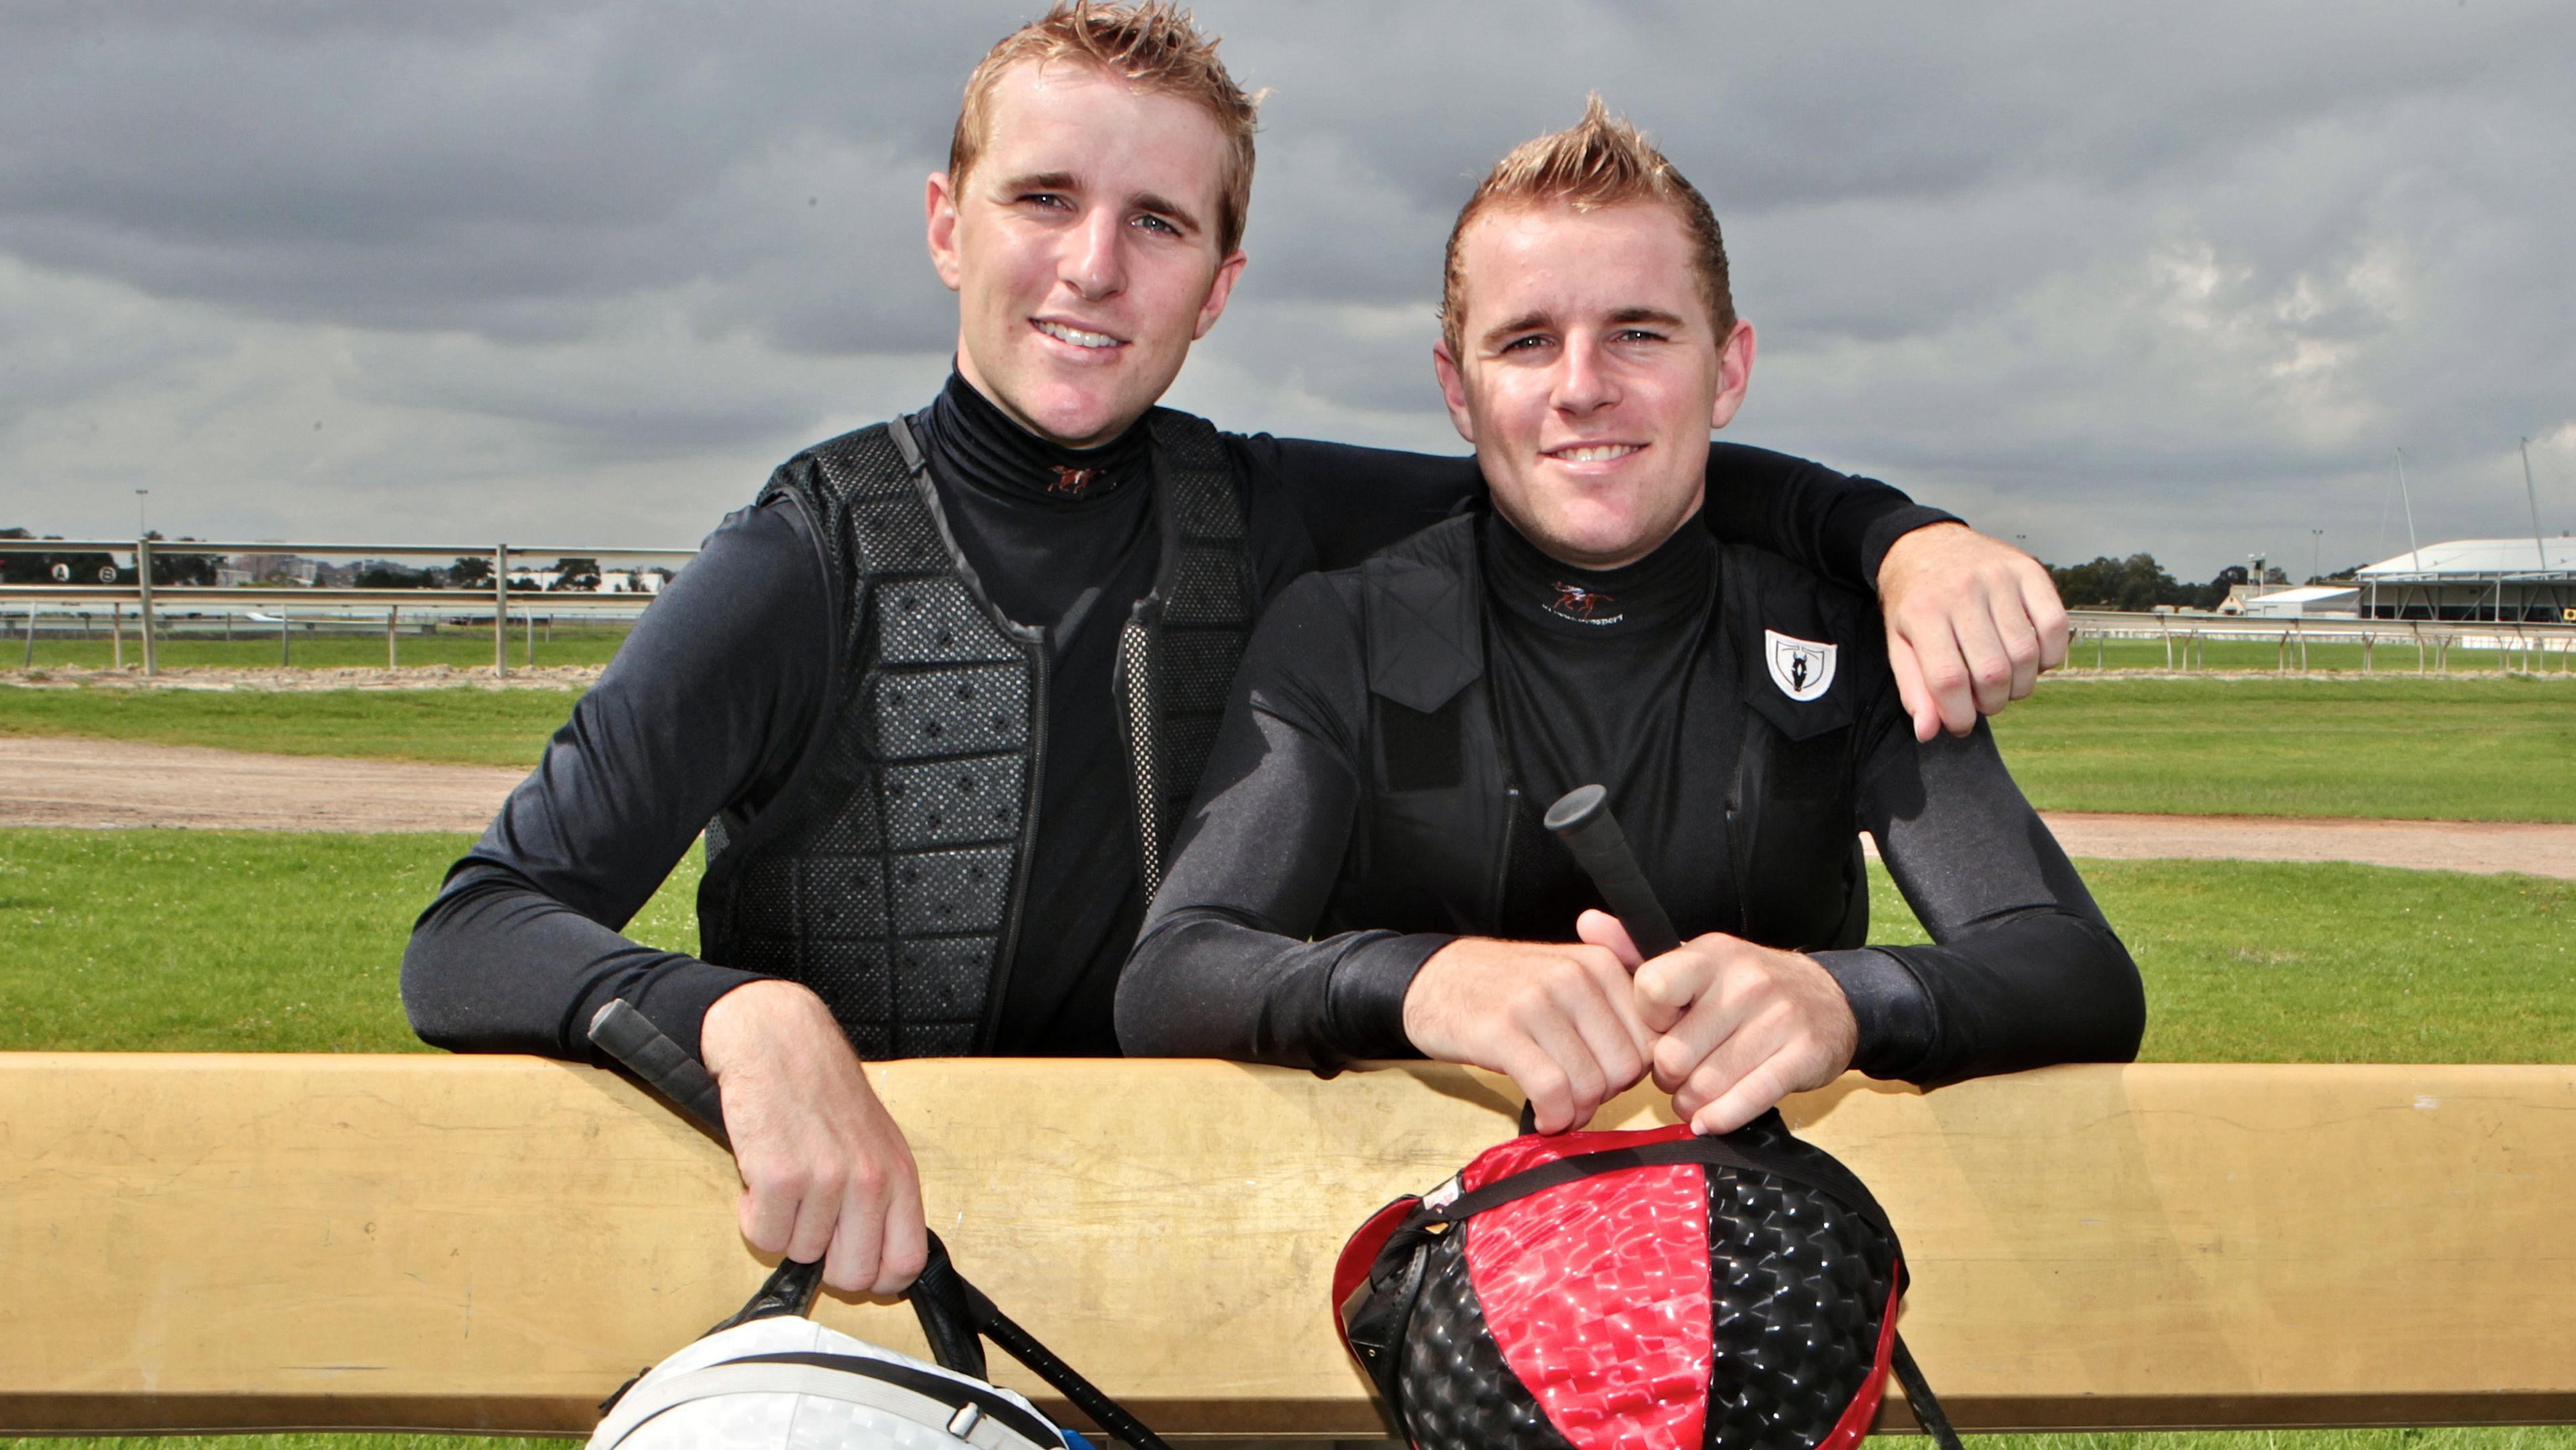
{"points": [[1645, 1290]]}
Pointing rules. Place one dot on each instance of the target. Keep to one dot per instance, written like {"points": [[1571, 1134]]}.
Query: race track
{"points": [[84, 783]]}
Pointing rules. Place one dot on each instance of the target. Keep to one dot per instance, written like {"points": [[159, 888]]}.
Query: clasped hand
{"points": [[1727, 1027]]}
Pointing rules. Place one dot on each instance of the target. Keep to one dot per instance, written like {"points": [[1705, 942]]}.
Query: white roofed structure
{"points": [[2527, 579]]}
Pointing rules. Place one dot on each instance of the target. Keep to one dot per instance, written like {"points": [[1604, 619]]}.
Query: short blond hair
{"points": [[1599, 161], [1153, 46]]}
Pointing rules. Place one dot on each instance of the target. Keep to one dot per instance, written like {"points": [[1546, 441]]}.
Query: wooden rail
{"points": [[223, 1242]]}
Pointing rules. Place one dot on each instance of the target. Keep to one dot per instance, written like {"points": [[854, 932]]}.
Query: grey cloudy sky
{"points": [[2172, 277]]}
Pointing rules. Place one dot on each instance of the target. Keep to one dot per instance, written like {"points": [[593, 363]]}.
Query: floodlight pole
{"points": [[143, 582], [2414, 550], [2533, 494], [500, 610]]}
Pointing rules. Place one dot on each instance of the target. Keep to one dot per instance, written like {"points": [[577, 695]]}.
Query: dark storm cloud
{"points": [[2120, 278]]}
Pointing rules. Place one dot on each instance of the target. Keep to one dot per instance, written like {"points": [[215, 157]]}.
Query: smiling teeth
{"points": [[1076, 336], [1601, 454]]}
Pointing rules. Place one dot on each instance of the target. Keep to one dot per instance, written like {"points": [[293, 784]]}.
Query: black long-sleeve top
{"points": [[1276, 938], [719, 693]]}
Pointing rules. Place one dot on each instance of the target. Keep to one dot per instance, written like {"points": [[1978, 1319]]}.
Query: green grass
{"points": [[467, 647], [2269, 962], [2477, 750], [229, 941], [2486, 749], [456, 726]]}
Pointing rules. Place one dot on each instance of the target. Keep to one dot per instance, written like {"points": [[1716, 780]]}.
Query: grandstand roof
{"points": [[2485, 558]]}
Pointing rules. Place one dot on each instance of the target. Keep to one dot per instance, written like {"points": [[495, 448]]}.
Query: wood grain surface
{"points": [[496, 1243]]}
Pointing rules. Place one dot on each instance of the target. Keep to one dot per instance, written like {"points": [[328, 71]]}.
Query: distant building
{"points": [[2305, 601], [270, 569], [2531, 580]]}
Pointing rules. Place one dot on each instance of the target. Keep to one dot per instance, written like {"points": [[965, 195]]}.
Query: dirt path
{"points": [[92, 783]]}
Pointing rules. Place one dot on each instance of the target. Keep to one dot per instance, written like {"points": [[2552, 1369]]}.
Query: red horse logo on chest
{"points": [[1578, 602]]}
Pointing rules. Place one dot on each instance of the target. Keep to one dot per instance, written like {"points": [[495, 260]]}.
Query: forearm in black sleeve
{"points": [[1223, 966], [1838, 524], [1355, 501], [2023, 970], [713, 692]]}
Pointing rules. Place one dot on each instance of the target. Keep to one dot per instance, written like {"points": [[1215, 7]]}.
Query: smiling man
{"points": [[1366, 873], [938, 697]]}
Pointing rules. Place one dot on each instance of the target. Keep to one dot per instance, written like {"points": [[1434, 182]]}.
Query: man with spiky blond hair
{"points": [[938, 697], [1366, 874]]}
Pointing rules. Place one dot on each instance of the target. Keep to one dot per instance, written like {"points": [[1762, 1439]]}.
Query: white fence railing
{"points": [[494, 599], [2528, 647]]}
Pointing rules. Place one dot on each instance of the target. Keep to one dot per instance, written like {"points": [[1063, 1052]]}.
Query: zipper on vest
{"points": [[1503, 856], [1007, 951]]}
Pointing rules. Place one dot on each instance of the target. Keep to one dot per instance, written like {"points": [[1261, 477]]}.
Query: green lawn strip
{"points": [[229, 941], [455, 726], [2476, 750], [364, 646], [2443, 749], [2250, 961]]}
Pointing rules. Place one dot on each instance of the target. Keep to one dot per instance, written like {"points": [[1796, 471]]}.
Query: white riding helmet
{"points": [[788, 1383]]}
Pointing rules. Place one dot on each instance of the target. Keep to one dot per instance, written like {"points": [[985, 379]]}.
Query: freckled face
{"points": [[1082, 248], [1589, 375]]}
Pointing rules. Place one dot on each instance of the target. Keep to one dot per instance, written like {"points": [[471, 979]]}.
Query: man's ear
{"points": [[1453, 388], [941, 207], [1734, 375], [1220, 287]]}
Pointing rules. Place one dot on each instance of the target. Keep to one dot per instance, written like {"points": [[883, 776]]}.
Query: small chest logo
{"points": [[1583, 606], [1802, 668], [1073, 482]]}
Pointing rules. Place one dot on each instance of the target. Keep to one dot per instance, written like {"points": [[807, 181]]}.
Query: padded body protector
{"points": [[890, 873], [1639, 1290], [1450, 842]]}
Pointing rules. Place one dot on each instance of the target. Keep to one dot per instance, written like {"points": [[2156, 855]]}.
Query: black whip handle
{"points": [[1105, 1412], [1918, 1398], [1582, 819], [625, 1033], [666, 1067], [952, 1311]]}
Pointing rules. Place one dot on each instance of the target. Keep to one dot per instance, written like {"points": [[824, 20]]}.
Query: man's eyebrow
{"points": [[1654, 315], [1040, 181], [1527, 322], [1179, 215]]}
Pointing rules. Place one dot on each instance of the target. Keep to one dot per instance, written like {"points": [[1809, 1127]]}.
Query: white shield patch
{"points": [[1802, 668]]}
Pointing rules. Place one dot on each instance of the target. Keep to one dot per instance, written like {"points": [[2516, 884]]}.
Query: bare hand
{"points": [[1558, 1018], [1971, 622], [825, 1172], [1739, 1026]]}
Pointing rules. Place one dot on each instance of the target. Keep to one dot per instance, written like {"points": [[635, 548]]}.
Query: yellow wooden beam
{"points": [[496, 1243]]}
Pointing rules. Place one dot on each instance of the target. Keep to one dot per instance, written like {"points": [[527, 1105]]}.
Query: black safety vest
{"points": [[1449, 842], [889, 876]]}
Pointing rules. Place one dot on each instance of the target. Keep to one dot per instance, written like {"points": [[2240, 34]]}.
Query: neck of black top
{"points": [[978, 445], [1668, 585]]}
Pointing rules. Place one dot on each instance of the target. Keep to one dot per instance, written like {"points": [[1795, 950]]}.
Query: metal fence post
{"points": [[393, 618], [31, 639], [116, 633], [500, 610], [285, 643], [143, 581]]}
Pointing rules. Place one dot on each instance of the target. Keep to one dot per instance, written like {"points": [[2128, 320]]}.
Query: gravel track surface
{"points": [[109, 783]]}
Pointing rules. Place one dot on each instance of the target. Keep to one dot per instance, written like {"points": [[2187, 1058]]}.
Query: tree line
{"points": [[2140, 584]]}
